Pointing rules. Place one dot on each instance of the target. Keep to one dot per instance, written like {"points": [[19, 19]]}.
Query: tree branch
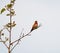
{"points": [[18, 40], [4, 43], [15, 45]]}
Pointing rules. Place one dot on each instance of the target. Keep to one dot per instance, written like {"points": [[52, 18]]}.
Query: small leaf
{"points": [[7, 14], [2, 34], [12, 1], [9, 5], [13, 25], [6, 38], [2, 10], [8, 25], [12, 13]]}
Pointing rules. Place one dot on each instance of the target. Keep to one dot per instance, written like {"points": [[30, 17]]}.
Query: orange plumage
{"points": [[35, 26]]}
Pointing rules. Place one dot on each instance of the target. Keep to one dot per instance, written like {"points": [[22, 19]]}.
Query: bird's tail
{"points": [[31, 30]]}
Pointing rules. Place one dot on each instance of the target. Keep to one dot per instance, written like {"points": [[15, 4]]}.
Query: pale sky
{"points": [[45, 39]]}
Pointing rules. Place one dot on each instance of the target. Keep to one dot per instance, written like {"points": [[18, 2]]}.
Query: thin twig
{"points": [[1, 39], [21, 32], [19, 40], [1, 32], [4, 28], [21, 37], [15, 45], [4, 43], [7, 29]]}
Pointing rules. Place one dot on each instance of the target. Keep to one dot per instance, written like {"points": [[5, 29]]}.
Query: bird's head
{"points": [[35, 22]]}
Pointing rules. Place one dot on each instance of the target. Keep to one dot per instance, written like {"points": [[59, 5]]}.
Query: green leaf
{"points": [[12, 13], [11, 24], [2, 10], [9, 5], [7, 14], [12, 1]]}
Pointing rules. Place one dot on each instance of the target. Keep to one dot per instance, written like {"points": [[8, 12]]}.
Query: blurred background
{"points": [[45, 39]]}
